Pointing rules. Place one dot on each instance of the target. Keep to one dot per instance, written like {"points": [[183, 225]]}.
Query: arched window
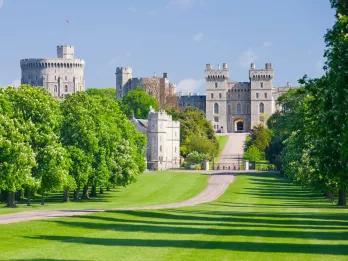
{"points": [[216, 85], [261, 84], [262, 108], [216, 108], [239, 109]]}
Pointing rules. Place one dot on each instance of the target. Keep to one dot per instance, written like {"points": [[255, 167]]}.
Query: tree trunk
{"points": [[77, 194], [28, 197], [43, 199], [85, 194], [66, 195], [108, 188], [342, 198], [11, 203], [101, 190], [94, 191]]}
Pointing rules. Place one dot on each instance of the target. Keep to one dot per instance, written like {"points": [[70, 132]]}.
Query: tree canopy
{"points": [[137, 103]]}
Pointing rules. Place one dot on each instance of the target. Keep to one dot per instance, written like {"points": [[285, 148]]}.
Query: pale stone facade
{"points": [[239, 106], [159, 87], [163, 140], [59, 76]]}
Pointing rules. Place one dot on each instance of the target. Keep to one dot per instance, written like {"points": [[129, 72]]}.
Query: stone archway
{"points": [[239, 125]]}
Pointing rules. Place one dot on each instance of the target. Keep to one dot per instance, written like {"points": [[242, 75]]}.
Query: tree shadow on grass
{"points": [[330, 249]]}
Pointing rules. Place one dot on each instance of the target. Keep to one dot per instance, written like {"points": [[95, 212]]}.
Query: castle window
{"points": [[261, 84], [216, 85], [266, 95], [212, 95], [216, 119], [216, 108], [66, 88], [257, 95], [220, 95], [262, 108], [239, 108]]}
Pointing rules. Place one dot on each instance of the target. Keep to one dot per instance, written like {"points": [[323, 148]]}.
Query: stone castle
{"points": [[163, 136], [59, 76], [159, 87], [239, 106]]}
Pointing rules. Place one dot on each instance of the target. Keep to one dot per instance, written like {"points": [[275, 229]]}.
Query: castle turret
{"points": [[123, 77], [262, 103], [216, 81], [65, 51]]}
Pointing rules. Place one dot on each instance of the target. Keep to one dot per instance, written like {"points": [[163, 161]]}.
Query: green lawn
{"points": [[260, 217], [150, 188]]}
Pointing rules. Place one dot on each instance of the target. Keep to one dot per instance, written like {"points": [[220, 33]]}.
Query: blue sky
{"points": [[174, 36]]}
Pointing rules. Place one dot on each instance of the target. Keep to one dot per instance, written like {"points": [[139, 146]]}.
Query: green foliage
{"points": [[257, 143], [137, 103], [84, 141], [17, 158], [196, 132], [311, 131], [195, 158], [253, 154], [104, 92]]}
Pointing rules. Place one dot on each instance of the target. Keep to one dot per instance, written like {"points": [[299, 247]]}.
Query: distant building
{"points": [[239, 106], [159, 87], [163, 137], [60, 76], [196, 101]]}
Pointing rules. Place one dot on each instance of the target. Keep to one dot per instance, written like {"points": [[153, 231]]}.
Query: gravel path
{"points": [[217, 185]]}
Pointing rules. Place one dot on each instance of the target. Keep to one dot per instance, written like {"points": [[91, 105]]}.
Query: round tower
{"points": [[60, 76]]}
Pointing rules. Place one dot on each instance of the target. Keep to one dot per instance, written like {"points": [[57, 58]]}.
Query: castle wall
{"points": [[163, 151]]}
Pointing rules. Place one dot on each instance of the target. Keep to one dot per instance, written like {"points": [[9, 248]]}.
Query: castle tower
{"points": [[123, 77], [60, 76], [216, 81], [262, 102]]}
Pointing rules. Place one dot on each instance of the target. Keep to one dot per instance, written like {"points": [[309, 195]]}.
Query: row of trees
{"points": [[310, 141], [79, 144]]}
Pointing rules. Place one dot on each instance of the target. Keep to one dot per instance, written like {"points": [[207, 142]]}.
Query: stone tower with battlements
{"points": [[59, 76], [124, 76], [261, 98], [216, 95]]}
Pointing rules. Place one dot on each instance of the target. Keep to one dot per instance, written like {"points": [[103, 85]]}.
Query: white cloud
{"points": [[198, 37], [190, 85], [266, 44], [2, 3], [247, 57]]}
